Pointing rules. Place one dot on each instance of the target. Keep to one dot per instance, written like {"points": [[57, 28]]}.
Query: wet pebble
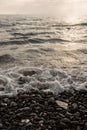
{"points": [[1, 125], [37, 110]]}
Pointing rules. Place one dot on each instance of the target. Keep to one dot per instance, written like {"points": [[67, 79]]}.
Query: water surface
{"points": [[19, 29]]}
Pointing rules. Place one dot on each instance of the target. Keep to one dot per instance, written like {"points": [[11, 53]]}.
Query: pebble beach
{"points": [[43, 74]]}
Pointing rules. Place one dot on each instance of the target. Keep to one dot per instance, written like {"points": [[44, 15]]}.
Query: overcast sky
{"points": [[44, 7]]}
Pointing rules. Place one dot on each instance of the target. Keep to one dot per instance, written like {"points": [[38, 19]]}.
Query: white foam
{"points": [[55, 80], [83, 86]]}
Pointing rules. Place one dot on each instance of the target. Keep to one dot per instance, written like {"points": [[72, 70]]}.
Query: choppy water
{"points": [[35, 30], [25, 29]]}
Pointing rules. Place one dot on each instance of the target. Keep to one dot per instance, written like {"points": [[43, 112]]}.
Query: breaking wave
{"points": [[56, 80]]}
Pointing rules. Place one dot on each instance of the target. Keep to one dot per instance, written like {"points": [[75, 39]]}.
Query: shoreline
{"points": [[59, 65], [43, 73], [45, 78]]}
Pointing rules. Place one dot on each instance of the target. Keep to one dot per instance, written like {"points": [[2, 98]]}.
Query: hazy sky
{"points": [[43, 7]]}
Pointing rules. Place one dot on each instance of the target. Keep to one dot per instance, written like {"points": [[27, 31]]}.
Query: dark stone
{"points": [[51, 100], [1, 125], [75, 105], [6, 100], [13, 104], [30, 73], [61, 115], [29, 124], [63, 125], [41, 122], [75, 122], [65, 120], [24, 109], [37, 110], [77, 114], [68, 114], [86, 125], [33, 114]]}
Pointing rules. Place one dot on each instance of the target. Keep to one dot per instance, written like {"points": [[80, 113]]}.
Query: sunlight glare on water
{"points": [[72, 20]]}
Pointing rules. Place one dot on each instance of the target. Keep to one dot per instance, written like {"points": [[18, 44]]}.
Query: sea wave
{"points": [[80, 24], [22, 30], [55, 80], [24, 40]]}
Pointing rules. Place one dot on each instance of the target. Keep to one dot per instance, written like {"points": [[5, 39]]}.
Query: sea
{"points": [[37, 32], [24, 29]]}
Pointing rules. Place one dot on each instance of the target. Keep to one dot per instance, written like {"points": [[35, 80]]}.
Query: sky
{"points": [[44, 7]]}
